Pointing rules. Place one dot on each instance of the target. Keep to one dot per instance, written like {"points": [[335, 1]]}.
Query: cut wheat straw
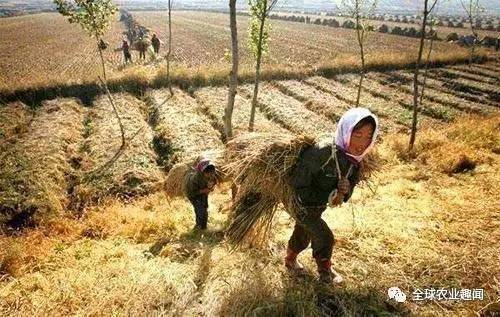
{"points": [[176, 178], [35, 172], [134, 171], [180, 125], [262, 165]]}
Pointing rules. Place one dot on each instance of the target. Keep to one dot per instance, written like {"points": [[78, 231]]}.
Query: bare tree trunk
{"points": [[415, 79], [426, 69], [360, 36], [105, 84], [169, 83], [233, 80], [257, 71], [473, 6]]}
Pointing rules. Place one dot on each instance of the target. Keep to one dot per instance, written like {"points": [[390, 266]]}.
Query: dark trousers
{"points": [[200, 204], [128, 57], [312, 229], [142, 54], [156, 49]]}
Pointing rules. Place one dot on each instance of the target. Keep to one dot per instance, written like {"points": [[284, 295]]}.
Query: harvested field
{"points": [[288, 112], [180, 128], [14, 120], [213, 100], [433, 96], [315, 100], [134, 171], [445, 87], [52, 51], [201, 39], [37, 171], [413, 231], [391, 113]]}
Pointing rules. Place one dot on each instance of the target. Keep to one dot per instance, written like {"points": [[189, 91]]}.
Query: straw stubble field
{"points": [[421, 222]]}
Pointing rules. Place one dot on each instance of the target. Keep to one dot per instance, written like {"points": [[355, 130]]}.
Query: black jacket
{"points": [[314, 183], [194, 183]]}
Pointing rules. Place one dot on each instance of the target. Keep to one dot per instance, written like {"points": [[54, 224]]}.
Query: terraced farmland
{"points": [[90, 225]]}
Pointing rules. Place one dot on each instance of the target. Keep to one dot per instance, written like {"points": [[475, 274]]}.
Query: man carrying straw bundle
{"points": [[199, 183], [327, 175]]}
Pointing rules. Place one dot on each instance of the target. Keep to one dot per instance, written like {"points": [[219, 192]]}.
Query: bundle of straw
{"points": [[176, 178], [262, 164]]}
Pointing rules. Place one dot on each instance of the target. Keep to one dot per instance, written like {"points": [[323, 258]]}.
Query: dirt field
{"points": [[201, 38], [56, 53], [51, 50]]}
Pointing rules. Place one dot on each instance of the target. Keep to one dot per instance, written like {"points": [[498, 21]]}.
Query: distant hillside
{"points": [[391, 6], [451, 7]]}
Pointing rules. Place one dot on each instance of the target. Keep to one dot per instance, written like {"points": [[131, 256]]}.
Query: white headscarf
{"points": [[345, 126]]}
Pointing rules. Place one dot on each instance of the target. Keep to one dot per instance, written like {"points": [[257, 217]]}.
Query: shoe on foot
{"points": [[291, 262], [294, 265], [328, 275]]}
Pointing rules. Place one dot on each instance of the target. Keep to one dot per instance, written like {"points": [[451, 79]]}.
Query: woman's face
{"points": [[360, 139]]}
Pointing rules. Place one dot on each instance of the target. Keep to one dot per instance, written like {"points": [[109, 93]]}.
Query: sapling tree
{"points": [[169, 51], [94, 16], [359, 9], [473, 9], [258, 42], [428, 7], [233, 76]]}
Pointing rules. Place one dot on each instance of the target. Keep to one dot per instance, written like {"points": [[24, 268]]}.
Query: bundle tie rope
{"points": [[333, 156]]}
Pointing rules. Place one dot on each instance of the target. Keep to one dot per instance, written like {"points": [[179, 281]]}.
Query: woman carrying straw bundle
{"points": [[200, 183], [327, 175]]}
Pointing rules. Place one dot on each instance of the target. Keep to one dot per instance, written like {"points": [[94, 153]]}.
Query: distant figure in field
{"points": [[142, 47], [126, 52], [155, 41]]}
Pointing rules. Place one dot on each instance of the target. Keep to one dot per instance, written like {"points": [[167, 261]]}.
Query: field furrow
{"points": [[14, 120], [446, 100], [213, 101], [495, 76], [458, 74], [490, 92], [109, 169], [390, 112], [288, 112], [318, 101], [405, 77], [182, 131], [492, 67]]}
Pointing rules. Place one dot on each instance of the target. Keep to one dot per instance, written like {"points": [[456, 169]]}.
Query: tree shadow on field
{"points": [[305, 296]]}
